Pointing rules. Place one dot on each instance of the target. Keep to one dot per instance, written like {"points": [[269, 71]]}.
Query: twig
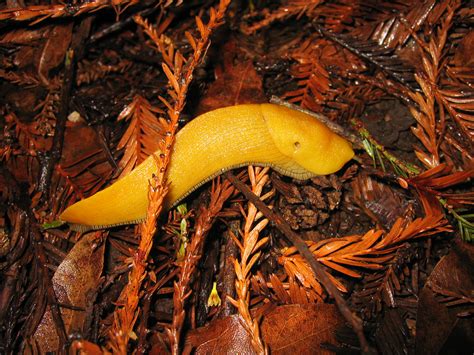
{"points": [[118, 25], [49, 160], [228, 273], [142, 346], [318, 270]]}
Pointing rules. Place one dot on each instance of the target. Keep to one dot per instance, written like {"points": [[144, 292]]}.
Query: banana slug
{"points": [[289, 141]]}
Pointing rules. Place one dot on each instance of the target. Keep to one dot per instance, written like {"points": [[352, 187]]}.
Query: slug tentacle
{"points": [[291, 142]]}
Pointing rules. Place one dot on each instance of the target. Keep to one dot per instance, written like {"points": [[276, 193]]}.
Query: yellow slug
{"points": [[291, 142]]}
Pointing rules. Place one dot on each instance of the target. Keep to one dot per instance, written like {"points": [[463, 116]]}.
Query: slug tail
{"points": [[124, 202]]}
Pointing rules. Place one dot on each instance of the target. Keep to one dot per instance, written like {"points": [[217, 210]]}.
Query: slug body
{"points": [[291, 142]]}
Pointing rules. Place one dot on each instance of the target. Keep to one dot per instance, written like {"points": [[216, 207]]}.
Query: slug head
{"points": [[307, 141]]}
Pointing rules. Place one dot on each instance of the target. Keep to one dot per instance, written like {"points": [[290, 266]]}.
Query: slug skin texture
{"points": [[291, 142]]}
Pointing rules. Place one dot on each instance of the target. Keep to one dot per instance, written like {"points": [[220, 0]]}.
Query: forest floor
{"points": [[376, 257]]}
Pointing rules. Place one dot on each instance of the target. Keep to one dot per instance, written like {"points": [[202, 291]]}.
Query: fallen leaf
{"points": [[222, 336], [74, 282], [84, 159], [288, 329], [301, 328], [54, 50], [463, 55], [438, 327], [379, 201], [237, 82], [85, 347], [25, 36]]}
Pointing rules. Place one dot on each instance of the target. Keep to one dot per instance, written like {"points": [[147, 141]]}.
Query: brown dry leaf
{"points": [[43, 48], [463, 56], [158, 346], [450, 285], [300, 328], [84, 159], [54, 50], [75, 281], [222, 336], [289, 329], [378, 201], [236, 83], [24, 35], [85, 347]]}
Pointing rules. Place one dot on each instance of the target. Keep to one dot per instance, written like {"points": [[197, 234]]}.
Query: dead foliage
{"points": [[375, 257]]}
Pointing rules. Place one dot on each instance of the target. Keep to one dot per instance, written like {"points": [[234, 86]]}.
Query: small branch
{"points": [[119, 25], [318, 270], [50, 160], [74, 52], [228, 273]]}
